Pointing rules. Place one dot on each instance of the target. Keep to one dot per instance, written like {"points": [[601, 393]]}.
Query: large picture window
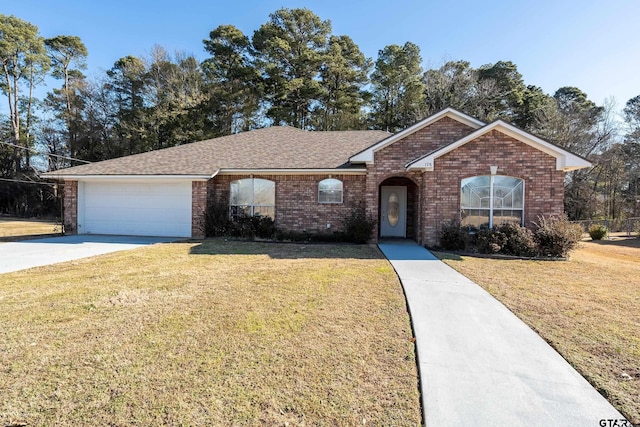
{"points": [[252, 197], [330, 191], [490, 200]]}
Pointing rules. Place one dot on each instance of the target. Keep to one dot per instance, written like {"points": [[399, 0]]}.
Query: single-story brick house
{"points": [[448, 166]]}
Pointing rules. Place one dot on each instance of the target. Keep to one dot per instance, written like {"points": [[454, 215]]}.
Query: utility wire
{"points": [[26, 182], [44, 154]]}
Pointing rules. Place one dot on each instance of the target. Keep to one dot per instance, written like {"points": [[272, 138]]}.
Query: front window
{"points": [[490, 200], [330, 191], [252, 197]]}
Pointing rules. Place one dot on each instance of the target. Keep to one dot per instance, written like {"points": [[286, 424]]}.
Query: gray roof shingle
{"points": [[277, 147]]}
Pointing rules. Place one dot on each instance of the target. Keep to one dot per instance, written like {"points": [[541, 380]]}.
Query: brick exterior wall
{"points": [[297, 207], [198, 208], [389, 165], [544, 185], [433, 197], [70, 207]]}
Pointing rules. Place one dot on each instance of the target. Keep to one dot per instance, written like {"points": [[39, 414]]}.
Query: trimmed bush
{"points": [[358, 226], [217, 222], [452, 236], [490, 240], [251, 227], [598, 231], [506, 239], [519, 240], [556, 236]]}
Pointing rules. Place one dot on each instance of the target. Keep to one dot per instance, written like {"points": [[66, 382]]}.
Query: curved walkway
{"points": [[479, 364]]}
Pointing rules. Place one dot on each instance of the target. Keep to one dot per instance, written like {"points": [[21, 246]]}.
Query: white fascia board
{"points": [[129, 177], [366, 156], [565, 160], [292, 171]]}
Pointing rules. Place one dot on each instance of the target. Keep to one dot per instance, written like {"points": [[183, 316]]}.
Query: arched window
{"points": [[252, 197], [330, 191], [490, 200]]}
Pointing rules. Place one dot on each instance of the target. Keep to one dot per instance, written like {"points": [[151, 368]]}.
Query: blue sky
{"points": [[591, 44]]}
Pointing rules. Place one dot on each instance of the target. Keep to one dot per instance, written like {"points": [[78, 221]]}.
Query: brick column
{"points": [[198, 208], [70, 197]]}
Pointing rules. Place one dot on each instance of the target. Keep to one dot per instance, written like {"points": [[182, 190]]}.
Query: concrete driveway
{"points": [[15, 256]]}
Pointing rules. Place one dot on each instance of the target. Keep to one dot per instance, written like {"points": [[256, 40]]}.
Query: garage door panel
{"points": [[133, 208]]}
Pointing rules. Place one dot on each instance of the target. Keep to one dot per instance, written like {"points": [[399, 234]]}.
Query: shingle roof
{"points": [[277, 147]]}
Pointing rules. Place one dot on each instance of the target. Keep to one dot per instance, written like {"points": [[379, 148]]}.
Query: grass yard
{"points": [[12, 229], [587, 308], [212, 333]]}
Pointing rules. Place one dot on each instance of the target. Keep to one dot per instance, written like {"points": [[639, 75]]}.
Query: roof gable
{"points": [[565, 160], [367, 155]]}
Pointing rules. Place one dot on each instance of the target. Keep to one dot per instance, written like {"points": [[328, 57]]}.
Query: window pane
{"points": [[241, 192], [475, 192], [507, 216], [252, 197], [264, 192], [330, 191], [475, 218], [264, 211], [240, 211], [508, 190], [476, 198]]}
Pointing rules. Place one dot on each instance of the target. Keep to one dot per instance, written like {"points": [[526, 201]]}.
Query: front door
{"points": [[393, 211]]}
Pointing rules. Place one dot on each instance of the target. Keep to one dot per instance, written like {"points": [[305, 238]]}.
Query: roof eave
{"points": [[95, 177], [296, 171]]}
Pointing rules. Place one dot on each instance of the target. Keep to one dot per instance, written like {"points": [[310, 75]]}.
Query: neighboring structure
{"points": [[448, 166]]}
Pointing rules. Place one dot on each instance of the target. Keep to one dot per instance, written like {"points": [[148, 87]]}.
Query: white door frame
{"points": [[399, 229]]}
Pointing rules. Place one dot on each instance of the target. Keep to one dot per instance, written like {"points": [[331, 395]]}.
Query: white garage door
{"points": [[135, 208]]}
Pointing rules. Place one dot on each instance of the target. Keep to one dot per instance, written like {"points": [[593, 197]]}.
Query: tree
{"points": [[508, 89], [65, 53], [631, 149], [342, 78], [398, 90], [127, 85], [534, 101], [174, 93], [290, 50], [232, 81], [454, 85], [24, 64], [577, 124]]}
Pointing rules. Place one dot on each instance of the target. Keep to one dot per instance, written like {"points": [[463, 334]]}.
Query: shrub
{"points": [[518, 240], [250, 227], [218, 224], [598, 231], [452, 236], [358, 226], [216, 221], [489, 240], [556, 236], [506, 239]]}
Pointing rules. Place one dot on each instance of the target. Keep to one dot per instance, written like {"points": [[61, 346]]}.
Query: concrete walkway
{"points": [[15, 256], [479, 364]]}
